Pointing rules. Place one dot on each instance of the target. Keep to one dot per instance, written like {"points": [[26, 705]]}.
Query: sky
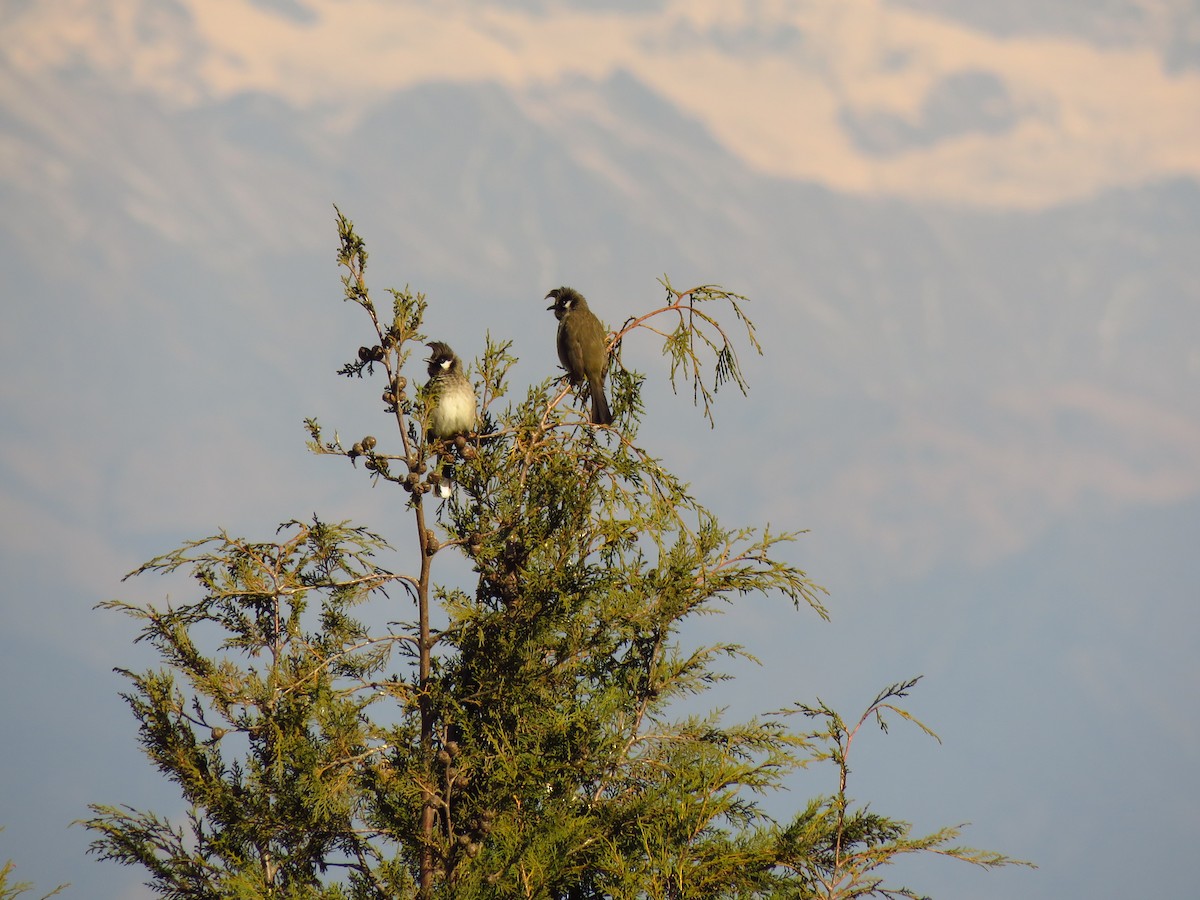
{"points": [[968, 239]]}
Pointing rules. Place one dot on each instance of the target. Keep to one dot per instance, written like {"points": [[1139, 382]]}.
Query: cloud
{"points": [[1072, 118]]}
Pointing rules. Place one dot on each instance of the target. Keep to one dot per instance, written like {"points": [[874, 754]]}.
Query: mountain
{"points": [[974, 327]]}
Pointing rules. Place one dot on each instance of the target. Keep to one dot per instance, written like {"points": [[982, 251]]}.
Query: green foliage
{"points": [[526, 746], [265, 737], [834, 850]]}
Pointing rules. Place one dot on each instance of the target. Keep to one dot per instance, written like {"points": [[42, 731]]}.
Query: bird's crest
{"points": [[565, 299], [441, 357]]}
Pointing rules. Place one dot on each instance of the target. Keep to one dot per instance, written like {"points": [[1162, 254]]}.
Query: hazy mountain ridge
{"points": [[957, 319], [907, 280], [978, 328]]}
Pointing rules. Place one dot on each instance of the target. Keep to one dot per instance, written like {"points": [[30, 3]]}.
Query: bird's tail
{"points": [[600, 411], [444, 467]]}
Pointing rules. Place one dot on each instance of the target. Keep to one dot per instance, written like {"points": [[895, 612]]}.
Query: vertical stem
{"points": [[424, 706], [391, 363]]}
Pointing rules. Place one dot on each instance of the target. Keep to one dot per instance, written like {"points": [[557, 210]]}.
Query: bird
{"points": [[582, 347], [450, 396], [450, 401]]}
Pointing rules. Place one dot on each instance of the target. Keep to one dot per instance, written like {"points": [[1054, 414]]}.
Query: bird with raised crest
{"points": [[450, 404], [582, 347]]}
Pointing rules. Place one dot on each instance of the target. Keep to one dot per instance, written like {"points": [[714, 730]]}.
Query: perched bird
{"points": [[449, 395], [582, 347], [450, 400]]}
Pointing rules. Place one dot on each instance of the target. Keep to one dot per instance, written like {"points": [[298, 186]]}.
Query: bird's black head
{"points": [[565, 300], [441, 359]]}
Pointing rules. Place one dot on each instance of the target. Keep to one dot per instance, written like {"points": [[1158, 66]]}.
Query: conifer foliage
{"points": [[511, 735]]}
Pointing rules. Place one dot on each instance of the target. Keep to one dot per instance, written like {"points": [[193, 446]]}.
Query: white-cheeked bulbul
{"points": [[450, 400], [582, 347]]}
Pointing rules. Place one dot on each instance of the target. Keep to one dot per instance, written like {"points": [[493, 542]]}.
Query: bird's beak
{"points": [[551, 306]]}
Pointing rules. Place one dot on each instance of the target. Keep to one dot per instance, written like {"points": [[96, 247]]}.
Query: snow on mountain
{"points": [[866, 96]]}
